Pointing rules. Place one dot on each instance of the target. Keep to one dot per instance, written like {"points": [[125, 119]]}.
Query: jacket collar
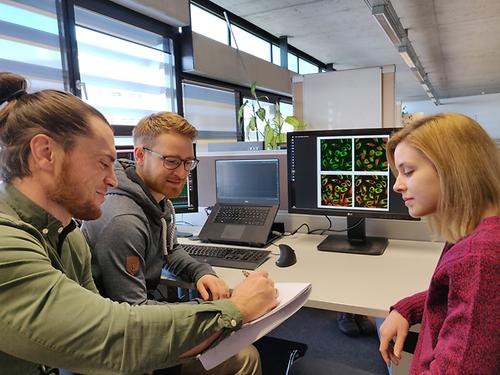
{"points": [[29, 212]]}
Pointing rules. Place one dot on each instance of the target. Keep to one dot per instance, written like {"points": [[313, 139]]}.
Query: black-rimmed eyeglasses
{"points": [[171, 162]]}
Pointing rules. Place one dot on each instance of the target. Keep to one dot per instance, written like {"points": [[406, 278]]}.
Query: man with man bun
{"points": [[56, 157]]}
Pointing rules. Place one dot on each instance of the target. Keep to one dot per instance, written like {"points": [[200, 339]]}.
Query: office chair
{"points": [[277, 355]]}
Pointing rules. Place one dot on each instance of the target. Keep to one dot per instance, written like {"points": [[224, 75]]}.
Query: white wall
{"points": [[485, 109], [343, 99]]}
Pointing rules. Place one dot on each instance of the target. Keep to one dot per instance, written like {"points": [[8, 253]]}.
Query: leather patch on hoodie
{"points": [[133, 265]]}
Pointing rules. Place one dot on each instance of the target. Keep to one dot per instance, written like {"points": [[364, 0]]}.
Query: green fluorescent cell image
{"points": [[370, 154], [371, 192], [336, 154], [336, 190]]}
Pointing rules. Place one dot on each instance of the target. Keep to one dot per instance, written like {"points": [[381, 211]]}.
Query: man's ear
{"points": [[43, 151], [139, 155]]}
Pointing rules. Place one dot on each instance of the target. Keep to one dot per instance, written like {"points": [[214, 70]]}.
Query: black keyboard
{"points": [[244, 215], [230, 257]]}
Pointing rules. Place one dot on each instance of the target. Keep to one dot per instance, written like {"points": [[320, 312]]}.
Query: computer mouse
{"points": [[287, 256]]}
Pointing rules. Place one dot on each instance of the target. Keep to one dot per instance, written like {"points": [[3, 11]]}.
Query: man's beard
{"points": [[67, 194], [159, 187]]}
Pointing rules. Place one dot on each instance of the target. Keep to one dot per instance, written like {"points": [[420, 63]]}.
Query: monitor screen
{"points": [[342, 173], [247, 181], [187, 201]]}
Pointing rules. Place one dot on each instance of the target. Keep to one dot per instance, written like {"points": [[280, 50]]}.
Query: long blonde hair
{"points": [[467, 161]]}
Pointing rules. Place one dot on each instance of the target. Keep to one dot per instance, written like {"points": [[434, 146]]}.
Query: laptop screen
{"points": [[252, 181]]}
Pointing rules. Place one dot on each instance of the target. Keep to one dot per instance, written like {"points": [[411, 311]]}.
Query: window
{"points": [[250, 43], [286, 110], [293, 63], [276, 55], [29, 42], [208, 24], [127, 72], [210, 110], [211, 23], [305, 67]]}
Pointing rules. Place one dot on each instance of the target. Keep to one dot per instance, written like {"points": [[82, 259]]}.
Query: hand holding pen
{"points": [[255, 295], [247, 273]]}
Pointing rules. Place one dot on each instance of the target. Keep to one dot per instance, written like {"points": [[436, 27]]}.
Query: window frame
{"points": [[253, 29], [120, 13]]}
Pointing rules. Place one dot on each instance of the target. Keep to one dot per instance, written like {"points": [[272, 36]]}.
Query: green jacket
{"points": [[51, 314]]}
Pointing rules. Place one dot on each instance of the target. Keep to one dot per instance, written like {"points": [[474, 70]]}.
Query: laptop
{"points": [[247, 201]]}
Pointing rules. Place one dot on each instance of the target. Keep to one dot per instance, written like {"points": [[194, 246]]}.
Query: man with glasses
{"points": [[136, 237]]}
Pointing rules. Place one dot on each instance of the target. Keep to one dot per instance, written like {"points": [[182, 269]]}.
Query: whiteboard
{"points": [[343, 99]]}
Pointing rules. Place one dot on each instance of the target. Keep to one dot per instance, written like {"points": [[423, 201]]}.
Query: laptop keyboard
{"points": [[230, 257], [243, 215]]}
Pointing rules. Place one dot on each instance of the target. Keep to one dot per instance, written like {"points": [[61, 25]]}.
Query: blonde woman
{"points": [[448, 170]]}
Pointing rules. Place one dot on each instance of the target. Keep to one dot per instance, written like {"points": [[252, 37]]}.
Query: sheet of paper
{"points": [[292, 297]]}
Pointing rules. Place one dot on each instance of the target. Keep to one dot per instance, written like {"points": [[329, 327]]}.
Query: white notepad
{"points": [[292, 297]]}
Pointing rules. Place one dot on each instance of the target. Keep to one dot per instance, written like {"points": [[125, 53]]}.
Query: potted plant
{"points": [[272, 132]]}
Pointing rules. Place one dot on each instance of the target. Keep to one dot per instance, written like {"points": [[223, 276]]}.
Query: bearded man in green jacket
{"points": [[56, 156]]}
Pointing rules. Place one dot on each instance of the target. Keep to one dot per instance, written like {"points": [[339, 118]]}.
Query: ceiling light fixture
{"points": [[384, 17], [426, 88], [419, 74], [389, 21], [407, 58]]}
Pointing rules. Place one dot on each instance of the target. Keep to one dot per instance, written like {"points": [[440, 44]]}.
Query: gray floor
{"points": [[329, 350]]}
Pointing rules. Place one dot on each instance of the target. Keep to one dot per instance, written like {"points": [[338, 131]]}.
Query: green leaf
{"points": [[252, 124], [252, 89], [269, 137], [241, 111], [295, 122], [261, 114]]}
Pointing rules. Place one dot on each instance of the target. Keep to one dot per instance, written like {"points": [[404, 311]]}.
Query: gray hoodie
{"points": [[132, 239]]}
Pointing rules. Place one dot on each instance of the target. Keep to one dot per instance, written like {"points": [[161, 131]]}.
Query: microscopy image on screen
{"points": [[183, 199], [336, 154], [336, 190], [371, 191], [370, 154]]}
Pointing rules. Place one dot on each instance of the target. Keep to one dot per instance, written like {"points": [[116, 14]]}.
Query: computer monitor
{"points": [[344, 173], [247, 181], [187, 201]]}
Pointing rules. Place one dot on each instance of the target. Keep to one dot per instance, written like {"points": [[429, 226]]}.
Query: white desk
{"points": [[359, 284]]}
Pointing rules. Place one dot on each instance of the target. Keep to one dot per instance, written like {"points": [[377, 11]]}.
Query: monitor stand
{"points": [[356, 241]]}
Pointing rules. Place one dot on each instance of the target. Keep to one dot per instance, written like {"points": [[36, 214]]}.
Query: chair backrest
{"points": [[277, 355]]}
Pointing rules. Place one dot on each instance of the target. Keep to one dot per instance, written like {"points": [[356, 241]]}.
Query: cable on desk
{"points": [[297, 229], [348, 228], [185, 222], [322, 231]]}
